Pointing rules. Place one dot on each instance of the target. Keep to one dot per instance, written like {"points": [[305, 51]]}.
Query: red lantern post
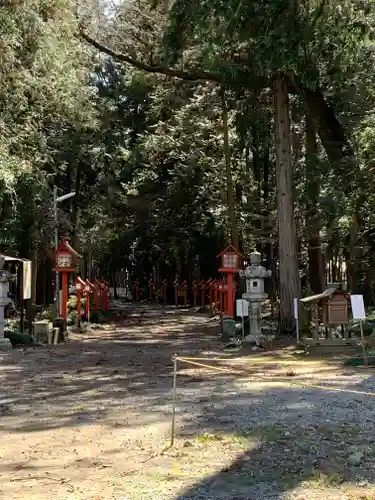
{"points": [[186, 288], [230, 264], [64, 264], [202, 288], [96, 296], [195, 291], [79, 286], [103, 294]]}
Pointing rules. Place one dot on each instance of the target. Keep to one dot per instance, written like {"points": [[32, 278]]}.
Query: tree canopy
{"points": [[181, 126]]}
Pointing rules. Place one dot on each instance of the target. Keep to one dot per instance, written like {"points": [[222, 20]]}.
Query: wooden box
{"points": [[335, 310]]}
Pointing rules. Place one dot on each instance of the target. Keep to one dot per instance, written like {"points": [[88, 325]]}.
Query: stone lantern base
{"points": [[5, 344]]}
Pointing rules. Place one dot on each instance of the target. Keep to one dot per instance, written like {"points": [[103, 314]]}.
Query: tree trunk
{"points": [[290, 284], [229, 179], [316, 263]]}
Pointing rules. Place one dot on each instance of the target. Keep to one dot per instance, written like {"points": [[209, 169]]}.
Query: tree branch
{"points": [[192, 75]]}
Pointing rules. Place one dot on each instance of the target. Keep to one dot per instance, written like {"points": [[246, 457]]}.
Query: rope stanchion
{"points": [[174, 398]]}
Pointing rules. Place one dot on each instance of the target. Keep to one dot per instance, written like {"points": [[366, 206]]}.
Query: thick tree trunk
{"points": [[290, 284], [316, 262], [229, 179]]}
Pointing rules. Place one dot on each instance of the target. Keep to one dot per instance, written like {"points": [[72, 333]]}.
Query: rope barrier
{"points": [[258, 378], [267, 379]]}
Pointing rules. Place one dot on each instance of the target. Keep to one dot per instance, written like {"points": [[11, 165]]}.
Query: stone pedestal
{"points": [[5, 344], [40, 331]]}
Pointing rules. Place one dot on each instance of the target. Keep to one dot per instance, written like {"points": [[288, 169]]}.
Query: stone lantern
{"points": [[4, 301], [255, 275]]}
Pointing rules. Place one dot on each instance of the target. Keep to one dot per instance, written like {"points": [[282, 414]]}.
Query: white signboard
{"points": [[295, 308], [26, 279], [358, 307], [242, 307]]}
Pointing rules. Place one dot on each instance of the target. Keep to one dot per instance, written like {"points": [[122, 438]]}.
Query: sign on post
{"points": [[358, 312], [26, 279], [358, 307], [242, 308], [295, 308]]}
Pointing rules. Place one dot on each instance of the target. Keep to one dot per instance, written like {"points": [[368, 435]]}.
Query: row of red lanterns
{"points": [[65, 265], [217, 292], [99, 288]]}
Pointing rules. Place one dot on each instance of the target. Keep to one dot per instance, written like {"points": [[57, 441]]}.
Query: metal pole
{"points": [[57, 281], [365, 357], [174, 397]]}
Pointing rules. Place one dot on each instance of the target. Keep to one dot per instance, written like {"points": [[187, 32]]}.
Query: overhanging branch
{"points": [[193, 75]]}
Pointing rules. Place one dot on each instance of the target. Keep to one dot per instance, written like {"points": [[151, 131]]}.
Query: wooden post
{"points": [[137, 290], [78, 307], [185, 286], [65, 296], [87, 306], [202, 285]]}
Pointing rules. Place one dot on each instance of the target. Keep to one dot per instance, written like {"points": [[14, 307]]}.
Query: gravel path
{"points": [[89, 420]]}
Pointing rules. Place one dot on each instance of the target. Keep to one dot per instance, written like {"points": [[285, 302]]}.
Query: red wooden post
{"points": [[103, 294], [65, 295], [150, 288], [137, 290], [185, 287], [221, 291], [195, 291], [202, 287], [225, 298]]}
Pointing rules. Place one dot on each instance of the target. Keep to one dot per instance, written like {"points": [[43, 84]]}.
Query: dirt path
{"points": [[86, 420]]}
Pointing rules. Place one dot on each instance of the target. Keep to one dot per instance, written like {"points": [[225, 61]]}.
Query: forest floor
{"points": [[89, 419]]}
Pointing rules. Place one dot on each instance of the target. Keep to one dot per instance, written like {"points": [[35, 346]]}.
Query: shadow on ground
{"points": [[240, 439], [287, 439]]}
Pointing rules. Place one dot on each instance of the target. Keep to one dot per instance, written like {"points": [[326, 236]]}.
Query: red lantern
{"points": [[64, 264], [79, 285], [230, 263]]}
